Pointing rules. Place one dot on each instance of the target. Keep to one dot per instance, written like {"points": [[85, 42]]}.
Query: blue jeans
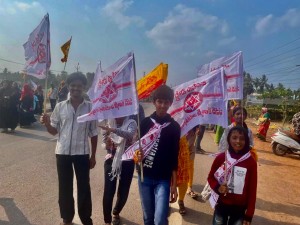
{"points": [[228, 215], [155, 196]]}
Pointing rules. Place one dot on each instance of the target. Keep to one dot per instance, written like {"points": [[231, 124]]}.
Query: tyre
{"points": [[279, 149]]}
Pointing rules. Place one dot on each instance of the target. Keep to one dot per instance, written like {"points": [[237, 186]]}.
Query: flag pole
{"points": [[138, 120], [45, 92], [65, 66]]}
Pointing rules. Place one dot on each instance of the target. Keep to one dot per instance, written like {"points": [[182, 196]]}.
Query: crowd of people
{"points": [[165, 173], [19, 106]]}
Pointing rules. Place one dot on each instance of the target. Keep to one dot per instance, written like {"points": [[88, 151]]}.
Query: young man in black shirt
{"points": [[160, 165]]}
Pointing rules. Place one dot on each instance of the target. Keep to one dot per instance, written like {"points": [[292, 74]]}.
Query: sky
{"points": [[184, 34]]}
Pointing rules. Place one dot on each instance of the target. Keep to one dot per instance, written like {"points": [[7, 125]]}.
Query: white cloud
{"points": [[25, 6], [186, 25], [271, 24], [227, 41], [12, 7], [210, 54], [115, 10]]}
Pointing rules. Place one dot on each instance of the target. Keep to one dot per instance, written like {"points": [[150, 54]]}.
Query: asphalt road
{"points": [[29, 188]]}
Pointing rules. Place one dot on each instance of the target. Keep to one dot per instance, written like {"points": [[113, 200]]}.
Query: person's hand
{"points": [[173, 194], [138, 156], [45, 119], [92, 162], [223, 189], [246, 222], [109, 143], [106, 128]]}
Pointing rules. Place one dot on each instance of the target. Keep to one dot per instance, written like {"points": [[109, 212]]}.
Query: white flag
{"points": [[32, 85], [233, 71], [114, 93], [200, 101], [37, 50]]}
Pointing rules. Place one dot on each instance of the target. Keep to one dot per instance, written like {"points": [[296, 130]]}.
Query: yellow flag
{"points": [[65, 49], [152, 80]]}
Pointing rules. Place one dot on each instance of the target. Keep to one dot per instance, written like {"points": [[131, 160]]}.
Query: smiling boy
{"points": [[73, 151], [160, 165]]}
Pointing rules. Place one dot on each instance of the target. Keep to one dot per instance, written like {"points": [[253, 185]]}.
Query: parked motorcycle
{"points": [[283, 144]]}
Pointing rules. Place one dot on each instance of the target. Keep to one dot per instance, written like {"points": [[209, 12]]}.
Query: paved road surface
{"points": [[28, 183]]}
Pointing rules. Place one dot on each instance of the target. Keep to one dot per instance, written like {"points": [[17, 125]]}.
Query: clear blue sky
{"points": [[184, 34]]}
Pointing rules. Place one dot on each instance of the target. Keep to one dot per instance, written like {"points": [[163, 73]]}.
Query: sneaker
{"points": [[201, 151]]}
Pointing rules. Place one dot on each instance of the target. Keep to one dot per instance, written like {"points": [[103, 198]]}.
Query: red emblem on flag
{"points": [[192, 102], [110, 93]]}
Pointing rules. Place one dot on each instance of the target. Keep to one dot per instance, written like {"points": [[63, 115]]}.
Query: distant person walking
{"points": [[52, 95], [264, 123], [9, 99], [62, 92], [40, 96], [27, 106]]}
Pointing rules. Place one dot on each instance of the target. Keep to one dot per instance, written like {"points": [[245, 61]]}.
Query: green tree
{"points": [[263, 81], [248, 86], [256, 84], [285, 94]]}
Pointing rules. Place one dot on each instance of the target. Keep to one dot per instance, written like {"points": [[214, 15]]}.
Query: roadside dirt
{"points": [[278, 195]]}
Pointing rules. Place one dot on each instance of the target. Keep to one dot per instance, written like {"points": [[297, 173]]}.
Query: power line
{"points": [[18, 63], [273, 57], [272, 50]]}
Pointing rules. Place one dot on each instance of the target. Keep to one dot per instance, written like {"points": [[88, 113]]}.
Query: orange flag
{"points": [[152, 80], [65, 49]]}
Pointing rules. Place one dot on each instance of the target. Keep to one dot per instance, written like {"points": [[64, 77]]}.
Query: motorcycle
{"points": [[283, 144]]}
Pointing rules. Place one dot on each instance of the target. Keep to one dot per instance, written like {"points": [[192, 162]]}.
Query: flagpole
{"points": [[45, 92], [138, 120], [65, 66]]}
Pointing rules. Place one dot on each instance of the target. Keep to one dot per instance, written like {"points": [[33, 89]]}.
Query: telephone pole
{"points": [[77, 67]]}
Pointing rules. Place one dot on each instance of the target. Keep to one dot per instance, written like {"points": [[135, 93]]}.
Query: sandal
{"points": [[182, 210], [192, 194], [116, 220]]}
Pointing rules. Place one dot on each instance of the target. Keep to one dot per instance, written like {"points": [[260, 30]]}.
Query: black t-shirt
{"points": [[163, 157]]}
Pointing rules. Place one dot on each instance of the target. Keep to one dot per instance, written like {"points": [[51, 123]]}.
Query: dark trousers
{"points": [[52, 103], [200, 136], [110, 188], [81, 164], [228, 215]]}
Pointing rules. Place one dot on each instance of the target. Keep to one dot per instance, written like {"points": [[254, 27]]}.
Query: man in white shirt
{"points": [[72, 150]]}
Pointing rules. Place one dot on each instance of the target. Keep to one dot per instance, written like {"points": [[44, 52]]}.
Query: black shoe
{"points": [[116, 220]]}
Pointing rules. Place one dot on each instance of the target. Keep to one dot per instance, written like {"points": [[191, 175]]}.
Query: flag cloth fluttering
{"points": [[147, 84], [37, 50], [113, 93], [200, 101], [233, 71], [65, 50]]}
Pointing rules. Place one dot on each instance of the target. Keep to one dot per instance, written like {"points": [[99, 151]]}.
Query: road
{"points": [[29, 193]]}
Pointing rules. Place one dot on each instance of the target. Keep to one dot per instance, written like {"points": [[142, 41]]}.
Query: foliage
{"points": [[261, 86]]}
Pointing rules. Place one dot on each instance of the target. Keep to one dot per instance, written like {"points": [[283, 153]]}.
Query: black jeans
{"points": [[110, 188], [52, 103], [65, 172]]}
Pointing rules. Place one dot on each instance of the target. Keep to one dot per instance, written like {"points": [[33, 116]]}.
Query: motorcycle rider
{"points": [[295, 131]]}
